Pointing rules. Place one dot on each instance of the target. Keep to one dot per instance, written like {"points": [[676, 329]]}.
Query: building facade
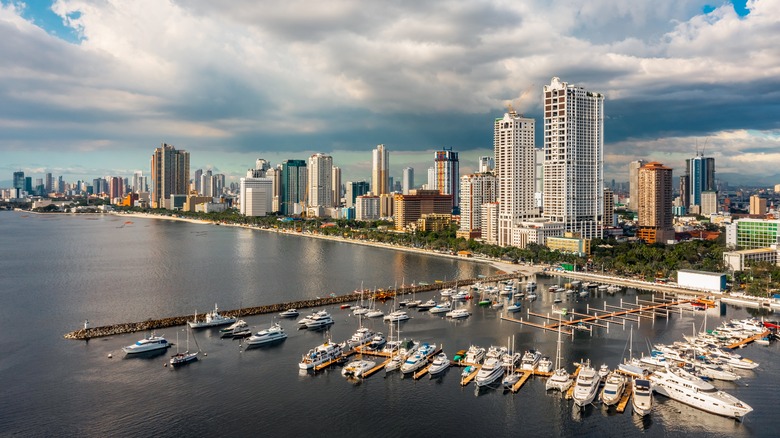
{"points": [[293, 187], [367, 208], [654, 203], [407, 180], [752, 233], [409, 208], [475, 189], [701, 178], [170, 174], [447, 168], [320, 181], [633, 183], [256, 196], [380, 171], [757, 205], [355, 189]]}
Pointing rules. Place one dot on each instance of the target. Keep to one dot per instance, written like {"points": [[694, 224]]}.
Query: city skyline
{"points": [[104, 86]]}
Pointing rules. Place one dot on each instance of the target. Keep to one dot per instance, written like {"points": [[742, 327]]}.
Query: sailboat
{"points": [[560, 379], [186, 357], [511, 376]]}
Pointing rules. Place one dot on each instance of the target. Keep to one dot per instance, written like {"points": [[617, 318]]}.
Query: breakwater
{"points": [[154, 324]]}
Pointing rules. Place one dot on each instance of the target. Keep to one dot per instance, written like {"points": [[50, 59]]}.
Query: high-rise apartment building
{"points": [[538, 177], [380, 171], [476, 190], [407, 180], [409, 208], [513, 147], [709, 203], [431, 179], [633, 183], [701, 178], [757, 205], [654, 203], [448, 174], [573, 158], [48, 183], [320, 181], [275, 175], [293, 187], [609, 219], [336, 186], [170, 174]]}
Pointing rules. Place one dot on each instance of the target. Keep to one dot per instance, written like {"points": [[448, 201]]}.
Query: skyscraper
{"points": [[336, 186], [573, 158], [355, 189], [48, 184], [320, 181], [19, 180], [380, 171], [757, 205], [293, 187], [448, 174], [486, 164], [654, 203], [170, 174], [513, 147], [256, 196], [633, 183], [408, 180], [476, 190], [701, 178]]}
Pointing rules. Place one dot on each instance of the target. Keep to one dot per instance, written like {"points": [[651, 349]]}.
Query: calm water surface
{"points": [[56, 271]]}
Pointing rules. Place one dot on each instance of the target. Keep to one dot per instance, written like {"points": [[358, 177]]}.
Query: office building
{"points": [[256, 196], [407, 180], [19, 180], [486, 164], [380, 171], [654, 203], [320, 181], [431, 179], [757, 205], [752, 233], [367, 208], [355, 189], [709, 203], [336, 186], [573, 158], [293, 187], [170, 174], [700, 172], [409, 208]]}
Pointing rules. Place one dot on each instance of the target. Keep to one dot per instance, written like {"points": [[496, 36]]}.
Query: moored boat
{"points": [[211, 319], [271, 334], [144, 345]]}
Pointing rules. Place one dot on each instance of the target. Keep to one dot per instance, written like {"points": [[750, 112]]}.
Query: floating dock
{"points": [[523, 378], [746, 341], [621, 406]]}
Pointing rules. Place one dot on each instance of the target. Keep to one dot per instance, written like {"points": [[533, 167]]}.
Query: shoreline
{"points": [[504, 267]]}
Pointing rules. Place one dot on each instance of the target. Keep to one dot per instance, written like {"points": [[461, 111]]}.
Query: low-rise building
{"points": [[739, 260]]}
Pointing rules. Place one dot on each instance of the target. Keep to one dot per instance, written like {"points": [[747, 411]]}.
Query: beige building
{"points": [[409, 208], [757, 205], [434, 222], [475, 190], [654, 206], [380, 171], [193, 200], [170, 174], [570, 243], [709, 202], [489, 221]]}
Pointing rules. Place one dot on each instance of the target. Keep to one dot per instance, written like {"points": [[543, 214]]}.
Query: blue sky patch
{"points": [[39, 13]]}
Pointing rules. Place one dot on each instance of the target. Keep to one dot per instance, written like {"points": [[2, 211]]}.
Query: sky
{"points": [[90, 88]]}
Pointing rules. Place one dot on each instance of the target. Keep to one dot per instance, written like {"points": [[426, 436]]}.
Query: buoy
{"points": [[110, 356], [205, 354]]}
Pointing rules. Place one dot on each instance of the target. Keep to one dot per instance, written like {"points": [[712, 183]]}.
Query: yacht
{"points": [[684, 387], [511, 360], [147, 344], [440, 363], [305, 320], [474, 355], [418, 359], [289, 313], [444, 307], [586, 385], [320, 320], [447, 292], [361, 337], [642, 397], [613, 388], [427, 305], [237, 329], [359, 310], [530, 360], [357, 368], [212, 319], [603, 371], [560, 380], [183, 358], [545, 365], [510, 379], [490, 371], [320, 354], [377, 342], [272, 334], [375, 313], [398, 315], [458, 313], [462, 295]]}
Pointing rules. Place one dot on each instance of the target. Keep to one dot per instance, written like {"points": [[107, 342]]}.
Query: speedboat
{"points": [[320, 354], [642, 397], [444, 307], [361, 337], [289, 313], [613, 388], [490, 371], [458, 313], [398, 315], [272, 334], [320, 320], [440, 363], [212, 319], [586, 385], [530, 360], [357, 368], [147, 344], [684, 387], [603, 371]]}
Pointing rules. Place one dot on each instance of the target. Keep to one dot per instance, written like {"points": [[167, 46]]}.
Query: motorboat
{"points": [[443, 307], [530, 360], [361, 336], [545, 365], [411, 304], [377, 342], [289, 313], [641, 397], [468, 370], [614, 386], [306, 319], [474, 355], [497, 304], [151, 343], [586, 385], [439, 364], [237, 329], [320, 321], [357, 368], [212, 319], [511, 360], [418, 359], [375, 313], [398, 315], [531, 285], [271, 334], [531, 295], [320, 354], [491, 370], [359, 310], [684, 387], [603, 371], [458, 313], [514, 307], [447, 292], [427, 305], [461, 295]]}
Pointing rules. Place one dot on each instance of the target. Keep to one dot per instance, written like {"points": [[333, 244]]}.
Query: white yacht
{"points": [[474, 355], [418, 359], [320, 354], [560, 380], [684, 387], [458, 313], [361, 336], [586, 385], [237, 329], [272, 334], [357, 368], [377, 342], [641, 397], [530, 360], [447, 292], [490, 371], [444, 307], [147, 344], [359, 310], [212, 319], [321, 320], [427, 305], [290, 313], [398, 315], [440, 363], [613, 388], [545, 365], [305, 320], [603, 371]]}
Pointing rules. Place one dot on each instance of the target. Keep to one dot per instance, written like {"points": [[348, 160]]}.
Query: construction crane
{"points": [[510, 108]]}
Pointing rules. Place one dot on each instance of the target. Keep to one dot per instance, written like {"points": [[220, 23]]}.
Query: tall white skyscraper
{"points": [[320, 181], [408, 180], [380, 171], [513, 145], [573, 158]]}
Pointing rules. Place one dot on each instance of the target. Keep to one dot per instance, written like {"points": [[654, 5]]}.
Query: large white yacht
{"points": [[490, 371], [212, 319], [641, 397], [398, 315], [320, 354], [418, 359], [362, 336], [530, 360], [586, 385], [458, 313], [442, 307], [272, 334], [474, 355], [440, 363], [684, 387], [147, 344], [320, 320], [613, 388], [357, 368]]}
